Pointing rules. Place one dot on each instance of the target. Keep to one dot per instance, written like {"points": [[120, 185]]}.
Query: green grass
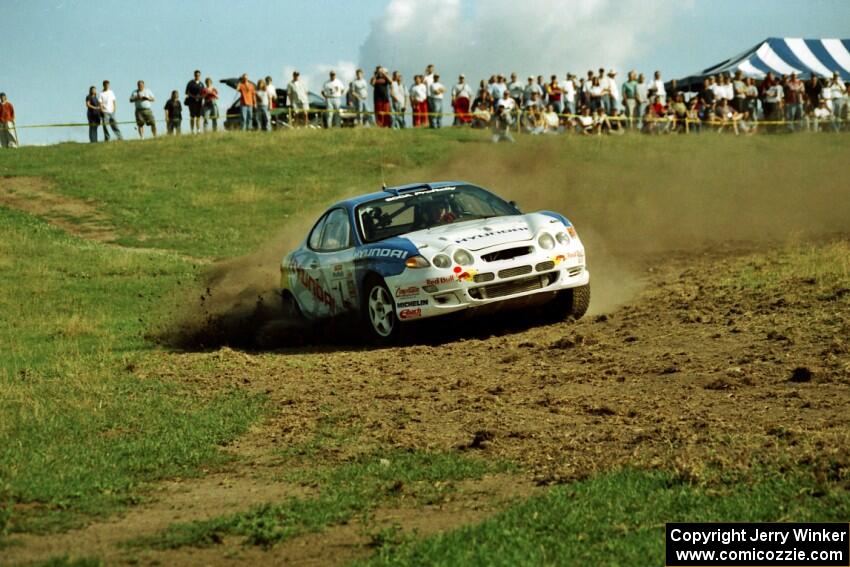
{"points": [[618, 519], [218, 196], [345, 491], [818, 269], [81, 431]]}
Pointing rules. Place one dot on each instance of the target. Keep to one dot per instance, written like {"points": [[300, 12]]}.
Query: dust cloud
{"points": [[634, 201], [236, 302]]}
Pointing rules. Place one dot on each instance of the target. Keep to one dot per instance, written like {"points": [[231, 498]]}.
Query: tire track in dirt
{"points": [[472, 502], [78, 217], [247, 481], [37, 196]]}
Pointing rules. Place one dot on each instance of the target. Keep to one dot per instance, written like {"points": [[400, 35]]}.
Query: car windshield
{"points": [[418, 210]]}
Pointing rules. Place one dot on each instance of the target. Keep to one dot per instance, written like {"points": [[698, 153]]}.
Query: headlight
{"points": [[563, 238], [442, 261], [546, 241], [416, 262], [463, 258]]}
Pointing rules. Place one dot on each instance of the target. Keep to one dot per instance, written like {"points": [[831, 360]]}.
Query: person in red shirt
{"points": [[247, 101], [210, 106], [8, 134], [795, 91]]}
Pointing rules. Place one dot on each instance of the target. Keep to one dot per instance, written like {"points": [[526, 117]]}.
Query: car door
{"points": [[337, 261], [307, 279]]}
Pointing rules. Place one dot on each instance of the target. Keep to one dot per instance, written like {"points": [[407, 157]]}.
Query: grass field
{"points": [[96, 414]]}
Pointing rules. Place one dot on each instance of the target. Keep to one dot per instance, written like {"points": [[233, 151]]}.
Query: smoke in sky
{"points": [[482, 37]]}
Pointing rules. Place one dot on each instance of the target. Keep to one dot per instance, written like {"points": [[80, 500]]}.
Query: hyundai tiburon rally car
{"points": [[429, 249]]}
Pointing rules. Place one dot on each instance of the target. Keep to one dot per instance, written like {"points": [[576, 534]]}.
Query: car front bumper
{"points": [[430, 292]]}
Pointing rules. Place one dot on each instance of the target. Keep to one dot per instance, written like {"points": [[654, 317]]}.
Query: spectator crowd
{"points": [[594, 104]]}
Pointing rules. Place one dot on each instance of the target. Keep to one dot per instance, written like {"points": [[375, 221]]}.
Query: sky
{"points": [[53, 50]]}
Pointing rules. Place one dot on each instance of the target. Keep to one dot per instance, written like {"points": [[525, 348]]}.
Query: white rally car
{"points": [[429, 249]]}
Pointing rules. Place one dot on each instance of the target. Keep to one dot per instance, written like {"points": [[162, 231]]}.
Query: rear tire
{"points": [[291, 309], [378, 318], [571, 303]]}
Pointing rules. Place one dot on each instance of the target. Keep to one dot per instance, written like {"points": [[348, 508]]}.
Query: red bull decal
{"points": [[559, 258], [466, 276], [440, 280], [313, 286]]}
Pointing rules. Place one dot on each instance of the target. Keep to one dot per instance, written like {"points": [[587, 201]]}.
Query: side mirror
{"points": [[514, 205]]}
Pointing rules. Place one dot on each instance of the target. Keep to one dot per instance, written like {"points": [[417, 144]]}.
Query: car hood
{"points": [[482, 233]]}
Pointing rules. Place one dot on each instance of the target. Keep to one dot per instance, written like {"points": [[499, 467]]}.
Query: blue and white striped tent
{"points": [[783, 56]]}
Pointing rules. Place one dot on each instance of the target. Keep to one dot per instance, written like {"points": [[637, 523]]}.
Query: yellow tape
{"points": [[348, 111]]}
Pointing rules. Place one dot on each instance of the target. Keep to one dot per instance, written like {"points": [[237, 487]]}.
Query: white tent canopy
{"points": [[783, 56]]}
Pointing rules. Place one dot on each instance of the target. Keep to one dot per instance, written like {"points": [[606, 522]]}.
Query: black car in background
{"points": [[280, 115]]}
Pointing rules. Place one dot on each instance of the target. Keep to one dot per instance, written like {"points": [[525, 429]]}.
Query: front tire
{"points": [[571, 303], [378, 312]]}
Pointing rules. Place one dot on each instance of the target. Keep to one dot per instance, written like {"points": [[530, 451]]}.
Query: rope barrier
{"points": [[349, 113]]}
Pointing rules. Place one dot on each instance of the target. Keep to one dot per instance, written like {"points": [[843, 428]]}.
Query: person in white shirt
{"points": [[657, 87], [822, 115], [435, 93], [272, 90], [551, 121], [142, 98], [333, 91], [498, 88], [642, 98], [419, 101], [517, 89], [530, 89], [398, 93], [839, 92], [728, 89], [108, 108], [461, 97], [505, 108], [611, 99], [358, 90], [428, 77], [296, 93], [569, 88], [585, 121]]}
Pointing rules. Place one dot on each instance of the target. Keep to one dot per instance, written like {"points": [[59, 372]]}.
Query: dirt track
{"points": [[672, 369], [686, 376]]}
